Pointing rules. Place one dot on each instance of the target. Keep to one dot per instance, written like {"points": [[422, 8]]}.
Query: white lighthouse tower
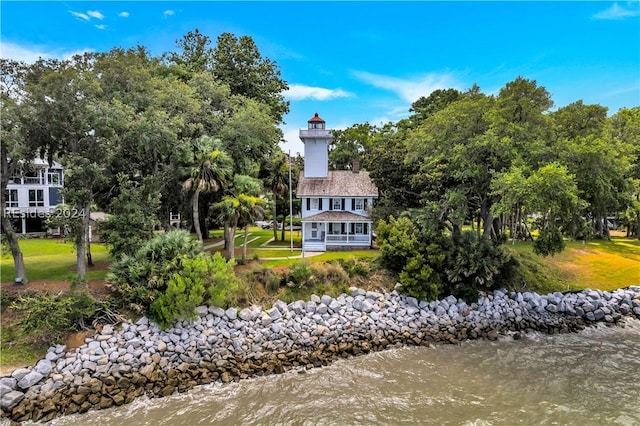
{"points": [[316, 141]]}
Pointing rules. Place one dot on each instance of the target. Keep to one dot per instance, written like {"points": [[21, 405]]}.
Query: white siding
{"points": [[316, 158]]}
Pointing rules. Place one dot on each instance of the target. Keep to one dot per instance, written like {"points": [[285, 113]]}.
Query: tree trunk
{"points": [[12, 237], [81, 244], [275, 215], [230, 226], [87, 225], [283, 223], [244, 244], [196, 214]]}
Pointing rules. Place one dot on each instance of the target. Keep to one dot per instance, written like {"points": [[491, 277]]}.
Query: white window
{"points": [[54, 177], [314, 230], [359, 204], [12, 197], [36, 198], [359, 229], [314, 204], [337, 204]]}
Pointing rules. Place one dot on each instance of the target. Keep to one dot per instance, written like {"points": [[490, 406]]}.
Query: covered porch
{"points": [[349, 231]]}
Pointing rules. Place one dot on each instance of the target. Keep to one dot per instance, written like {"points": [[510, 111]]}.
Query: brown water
{"points": [[588, 378]]}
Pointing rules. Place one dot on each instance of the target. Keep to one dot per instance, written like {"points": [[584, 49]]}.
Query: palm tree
{"points": [[278, 181], [241, 202], [210, 170], [250, 210]]}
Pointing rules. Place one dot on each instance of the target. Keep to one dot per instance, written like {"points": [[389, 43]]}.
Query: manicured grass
{"points": [[51, 259], [598, 264], [262, 253]]}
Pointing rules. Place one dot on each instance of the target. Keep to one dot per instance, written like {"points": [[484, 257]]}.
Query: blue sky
{"points": [[355, 62]]}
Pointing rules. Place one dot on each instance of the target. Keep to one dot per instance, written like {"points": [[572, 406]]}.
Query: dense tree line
{"points": [[192, 131], [505, 165], [195, 131]]}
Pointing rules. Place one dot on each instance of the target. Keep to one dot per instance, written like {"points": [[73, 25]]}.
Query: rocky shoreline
{"points": [[121, 363]]}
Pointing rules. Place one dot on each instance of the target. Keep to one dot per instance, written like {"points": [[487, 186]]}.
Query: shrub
{"points": [[332, 274], [141, 278], [300, 274], [51, 316], [474, 264], [549, 242], [201, 279], [353, 267]]}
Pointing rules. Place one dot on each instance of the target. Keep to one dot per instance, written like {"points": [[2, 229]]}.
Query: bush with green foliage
{"points": [[201, 279], [331, 274], [473, 265], [300, 274], [52, 316], [414, 252], [141, 278], [353, 267], [549, 242], [431, 262]]}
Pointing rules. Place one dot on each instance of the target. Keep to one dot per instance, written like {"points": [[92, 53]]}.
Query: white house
{"points": [[33, 194], [334, 203]]}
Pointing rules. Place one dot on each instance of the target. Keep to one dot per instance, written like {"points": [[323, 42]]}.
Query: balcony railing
{"points": [[318, 133]]}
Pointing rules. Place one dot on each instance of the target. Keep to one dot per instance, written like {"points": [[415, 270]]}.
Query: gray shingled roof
{"points": [[338, 183], [336, 216]]}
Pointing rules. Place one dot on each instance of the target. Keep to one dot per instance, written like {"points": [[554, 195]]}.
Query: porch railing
{"points": [[347, 238]]}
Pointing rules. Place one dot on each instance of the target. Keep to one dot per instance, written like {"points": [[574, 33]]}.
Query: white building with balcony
{"points": [[33, 194], [335, 203]]}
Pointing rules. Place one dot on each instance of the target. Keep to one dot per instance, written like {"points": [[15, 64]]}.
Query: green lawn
{"points": [[51, 259], [597, 264]]}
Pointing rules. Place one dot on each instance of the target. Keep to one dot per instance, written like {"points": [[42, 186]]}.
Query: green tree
{"points": [[63, 101], [349, 145], [553, 194], [132, 219], [210, 171], [238, 63], [240, 200], [410, 252], [13, 149], [427, 106], [277, 180]]}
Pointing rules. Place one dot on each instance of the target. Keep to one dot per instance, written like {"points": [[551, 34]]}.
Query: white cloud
{"points": [[95, 14], [30, 54], [20, 53], [409, 89], [298, 92], [123, 14], [293, 142], [81, 16], [618, 12], [101, 27], [168, 12]]}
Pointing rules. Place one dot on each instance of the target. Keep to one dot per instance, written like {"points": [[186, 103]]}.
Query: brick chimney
{"points": [[355, 165]]}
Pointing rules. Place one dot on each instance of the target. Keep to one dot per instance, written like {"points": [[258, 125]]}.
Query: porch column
{"points": [[304, 225]]}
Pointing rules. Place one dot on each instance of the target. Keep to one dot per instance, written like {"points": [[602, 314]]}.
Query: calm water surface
{"points": [[588, 378]]}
